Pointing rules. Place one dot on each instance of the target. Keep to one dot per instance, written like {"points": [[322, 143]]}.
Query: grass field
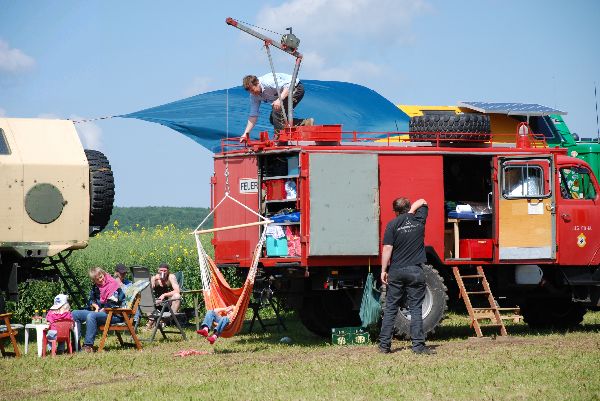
{"points": [[528, 365]]}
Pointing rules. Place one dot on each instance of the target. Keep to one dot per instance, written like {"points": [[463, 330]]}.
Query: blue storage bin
{"points": [[277, 247], [292, 163], [293, 217]]}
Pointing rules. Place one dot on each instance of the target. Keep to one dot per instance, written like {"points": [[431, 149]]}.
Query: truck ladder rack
{"points": [[491, 313]]}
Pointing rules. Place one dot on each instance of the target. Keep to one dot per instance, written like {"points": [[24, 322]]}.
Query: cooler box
{"points": [[277, 247], [476, 248]]}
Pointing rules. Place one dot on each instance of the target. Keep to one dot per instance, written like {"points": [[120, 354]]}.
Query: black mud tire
{"points": [[323, 310], [434, 306], [464, 127], [102, 190], [552, 313]]}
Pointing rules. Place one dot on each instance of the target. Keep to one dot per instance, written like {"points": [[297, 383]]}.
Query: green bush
{"points": [[145, 247]]}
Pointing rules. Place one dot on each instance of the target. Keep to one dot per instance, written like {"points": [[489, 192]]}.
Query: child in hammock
{"points": [[219, 317]]}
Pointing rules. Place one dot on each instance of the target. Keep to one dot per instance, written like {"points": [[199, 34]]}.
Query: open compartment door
{"points": [[344, 204], [526, 221]]}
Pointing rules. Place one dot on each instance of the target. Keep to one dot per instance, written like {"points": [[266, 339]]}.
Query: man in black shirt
{"points": [[403, 253]]}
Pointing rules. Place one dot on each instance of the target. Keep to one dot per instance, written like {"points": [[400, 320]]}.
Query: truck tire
{"points": [[434, 307], [552, 313], [102, 190], [463, 127], [324, 310]]}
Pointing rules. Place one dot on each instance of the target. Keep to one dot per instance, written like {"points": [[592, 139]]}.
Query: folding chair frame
{"points": [[127, 315], [9, 333]]}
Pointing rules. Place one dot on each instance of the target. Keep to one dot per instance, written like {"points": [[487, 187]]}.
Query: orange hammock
{"points": [[217, 292]]}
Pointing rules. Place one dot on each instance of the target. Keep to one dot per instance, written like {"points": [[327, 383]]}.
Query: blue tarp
{"points": [[208, 117]]}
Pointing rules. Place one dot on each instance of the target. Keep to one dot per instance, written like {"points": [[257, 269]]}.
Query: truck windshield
{"points": [[575, 183], [523, 181], [4, 150]]}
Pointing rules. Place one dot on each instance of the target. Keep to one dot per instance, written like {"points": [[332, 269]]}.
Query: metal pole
{"points": [[291, 91], [276, 83]]}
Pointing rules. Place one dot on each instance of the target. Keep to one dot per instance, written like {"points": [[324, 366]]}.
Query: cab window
{"points": [[4, 149], [523, 181], [576, 183]]}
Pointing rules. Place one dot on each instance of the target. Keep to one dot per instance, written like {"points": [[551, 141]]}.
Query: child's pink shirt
{"points": [[52, 317]]}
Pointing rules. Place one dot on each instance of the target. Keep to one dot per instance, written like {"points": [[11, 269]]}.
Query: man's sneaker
{"points": [[308, 122], [424, 351], [203, 331], [383, 350], [212, 339], [87, 348]]}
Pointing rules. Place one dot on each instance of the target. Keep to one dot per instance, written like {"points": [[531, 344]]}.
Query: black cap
{"points": [[121, 268]]}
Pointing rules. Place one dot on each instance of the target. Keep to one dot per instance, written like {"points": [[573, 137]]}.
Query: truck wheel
{"points": [[465, 126], [102, 190], [557, 313], [324, 310], [434, 306]]}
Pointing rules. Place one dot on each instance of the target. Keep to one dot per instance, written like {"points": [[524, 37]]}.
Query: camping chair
{"points": [[262, 297], [63, 335], [132, 302], [9, 331], [160, 313]]}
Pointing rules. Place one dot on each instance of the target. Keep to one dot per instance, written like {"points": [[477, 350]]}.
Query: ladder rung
{"points": [[472, 276], [491, 325], [478, 292], [484, 309]]}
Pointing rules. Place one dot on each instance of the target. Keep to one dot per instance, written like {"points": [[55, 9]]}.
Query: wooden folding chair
{"points": [[132, 301], [7, 331]]}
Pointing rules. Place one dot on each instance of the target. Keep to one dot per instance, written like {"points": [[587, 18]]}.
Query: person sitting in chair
{"points": [[219, 317], [164, 285]]}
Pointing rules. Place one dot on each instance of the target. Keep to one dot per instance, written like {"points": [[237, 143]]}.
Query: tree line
{"points": [[134, 218]]}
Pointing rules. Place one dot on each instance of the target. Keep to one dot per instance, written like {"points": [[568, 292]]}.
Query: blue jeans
{"points": [[221, 321], [92, 320], [409, 279]]}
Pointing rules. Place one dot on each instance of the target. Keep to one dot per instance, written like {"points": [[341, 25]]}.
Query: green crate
{"points": [[349, 336]]}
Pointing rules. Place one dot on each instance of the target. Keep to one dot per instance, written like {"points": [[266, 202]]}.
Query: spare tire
{"points": [[434, 306], [464, 127], [102, 190]]}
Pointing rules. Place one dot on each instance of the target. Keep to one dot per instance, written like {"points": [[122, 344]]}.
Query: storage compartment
{"points": [[277, 247], [476, 248]]}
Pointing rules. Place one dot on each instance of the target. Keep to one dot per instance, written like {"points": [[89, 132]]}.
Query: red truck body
{"points": [[537, 211]]}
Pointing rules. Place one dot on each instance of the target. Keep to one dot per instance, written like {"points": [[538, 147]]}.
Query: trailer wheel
{"points": [[434, 306], [102, 190], [465, 127], [557, 313], [324, 310]]}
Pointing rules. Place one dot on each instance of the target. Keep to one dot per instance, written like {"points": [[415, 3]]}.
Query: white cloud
{"points": [[2, 112], [199, 85], [346, 40], [14, 60], [89, 133]]}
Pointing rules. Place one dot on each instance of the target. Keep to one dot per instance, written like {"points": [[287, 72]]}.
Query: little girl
{"points": [[219, 316], [59, 311]]}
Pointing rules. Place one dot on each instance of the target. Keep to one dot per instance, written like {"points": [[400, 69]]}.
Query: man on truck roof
{"points": [[263, 89], [401, 259]]}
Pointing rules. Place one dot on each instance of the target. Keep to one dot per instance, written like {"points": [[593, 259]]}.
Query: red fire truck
{"points": [[526, 213]]}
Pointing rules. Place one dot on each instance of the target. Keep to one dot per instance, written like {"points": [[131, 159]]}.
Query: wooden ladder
{"points": [[493, 312]]}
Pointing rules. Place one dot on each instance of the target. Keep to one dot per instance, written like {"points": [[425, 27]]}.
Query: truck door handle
{"points": [[566, 217]]}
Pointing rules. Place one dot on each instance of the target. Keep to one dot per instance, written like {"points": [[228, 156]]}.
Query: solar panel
{"points": [[519, 109]]}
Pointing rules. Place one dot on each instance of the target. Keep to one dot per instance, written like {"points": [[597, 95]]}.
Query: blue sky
{"points": [[76, 59]]}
